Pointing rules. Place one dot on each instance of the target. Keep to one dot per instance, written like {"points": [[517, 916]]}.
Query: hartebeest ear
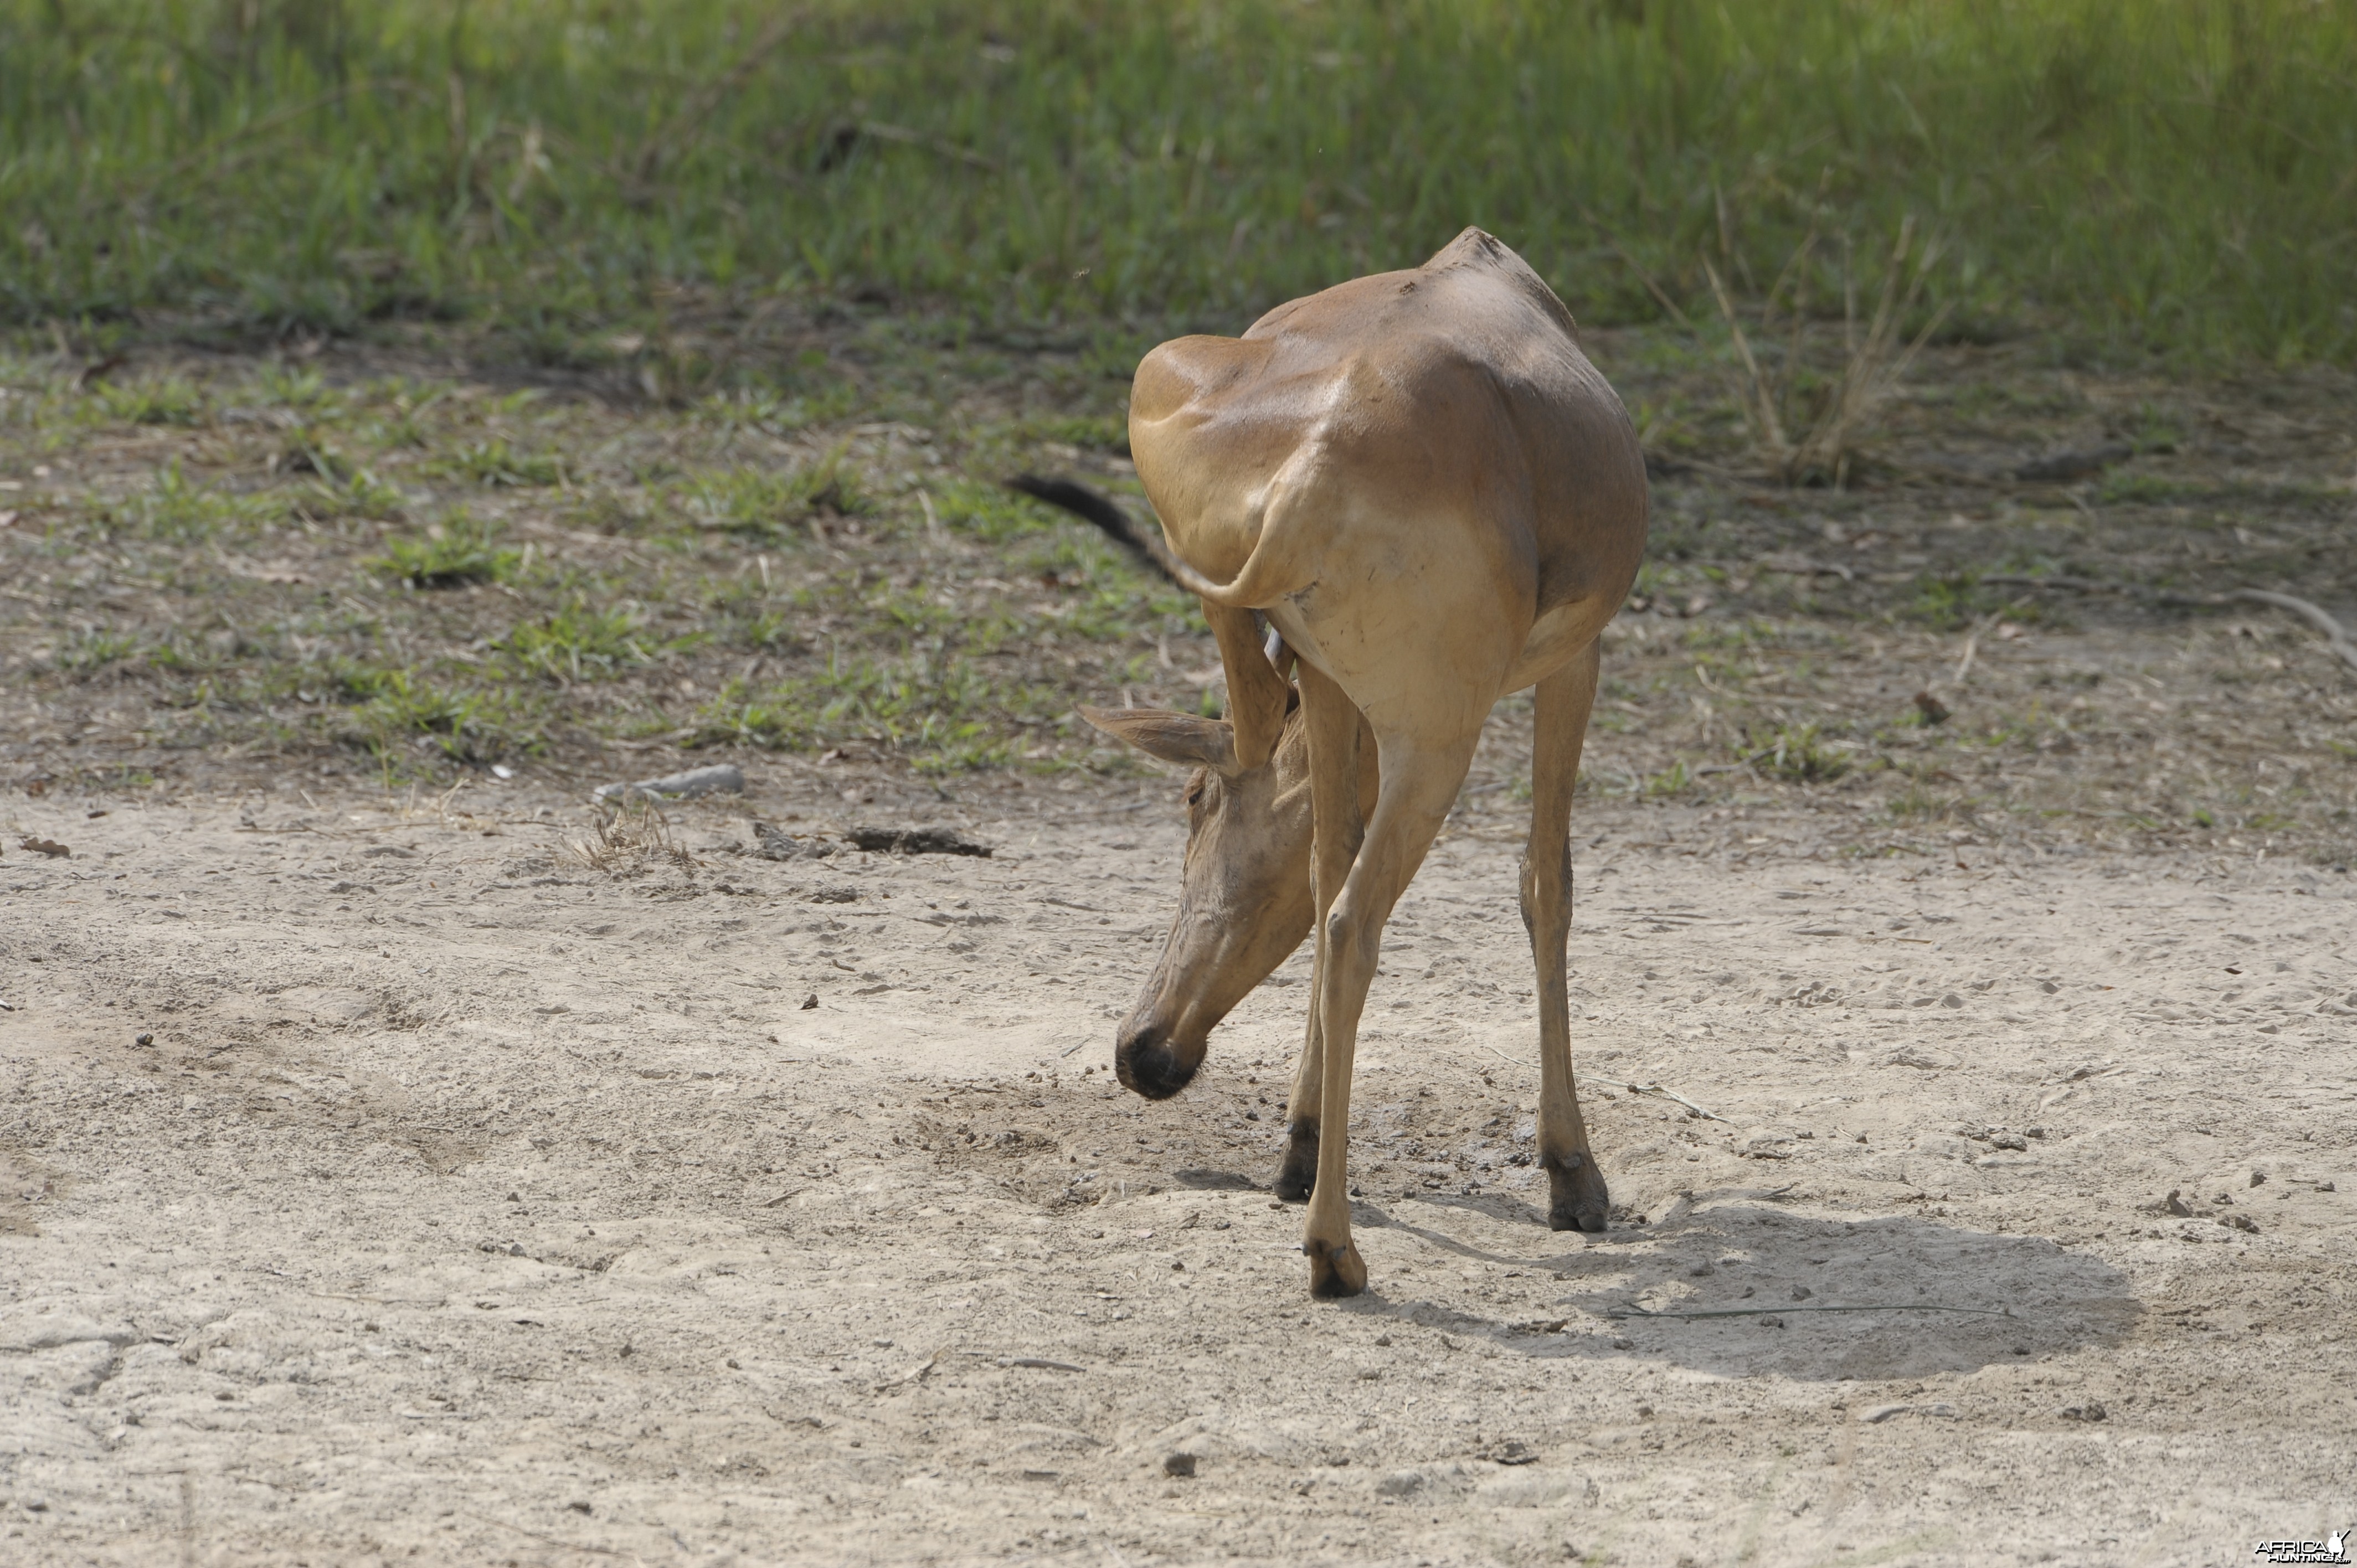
{"points": [[1188, 739]]}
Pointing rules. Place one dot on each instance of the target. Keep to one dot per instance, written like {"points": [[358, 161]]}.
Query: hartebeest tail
{"points": [[1262, 579], [1096, 507]]}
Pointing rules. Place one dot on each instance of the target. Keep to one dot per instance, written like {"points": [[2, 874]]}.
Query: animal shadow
{"points": [[1806, 1297]]}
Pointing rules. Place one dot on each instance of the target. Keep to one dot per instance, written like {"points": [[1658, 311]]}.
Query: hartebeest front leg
{"points": [[1421, 773], [1334, 734], [1576, 1199]]}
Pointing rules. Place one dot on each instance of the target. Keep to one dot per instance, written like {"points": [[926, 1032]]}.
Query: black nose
{"points": [[1145, 1062]]}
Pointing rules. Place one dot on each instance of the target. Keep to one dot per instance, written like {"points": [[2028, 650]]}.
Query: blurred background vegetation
{"points": [[2126, 177]]}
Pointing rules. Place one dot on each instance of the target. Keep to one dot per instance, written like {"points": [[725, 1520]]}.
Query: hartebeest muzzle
{"points": [[1145, 1060]]}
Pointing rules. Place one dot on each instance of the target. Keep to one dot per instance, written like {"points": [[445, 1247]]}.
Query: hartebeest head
{"points": [[1244, 902]]}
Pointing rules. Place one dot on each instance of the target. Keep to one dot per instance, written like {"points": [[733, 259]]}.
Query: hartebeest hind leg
{"points": [[1421, 771], [1576, 1199]]}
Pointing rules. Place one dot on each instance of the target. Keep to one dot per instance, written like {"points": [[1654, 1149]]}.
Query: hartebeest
{"points": [[1435, 500]]}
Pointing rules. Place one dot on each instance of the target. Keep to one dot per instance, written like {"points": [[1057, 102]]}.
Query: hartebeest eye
{"points": [[1195, 788]]}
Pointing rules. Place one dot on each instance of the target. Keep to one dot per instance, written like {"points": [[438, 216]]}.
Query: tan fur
{"points": [[1433, 496]]}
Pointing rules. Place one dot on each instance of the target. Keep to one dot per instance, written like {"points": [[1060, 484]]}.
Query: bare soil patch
{"points": [[386, 1183]]}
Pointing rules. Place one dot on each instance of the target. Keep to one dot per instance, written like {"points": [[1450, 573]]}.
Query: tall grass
{"points": [[2139, 174]]}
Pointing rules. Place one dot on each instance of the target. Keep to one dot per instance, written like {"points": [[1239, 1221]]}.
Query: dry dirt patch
{"points": [[466, 1201]]}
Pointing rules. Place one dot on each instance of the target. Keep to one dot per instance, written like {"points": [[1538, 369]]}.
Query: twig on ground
{"points": [[915, 1373], [1658, 1091], [1973, 647], [2076, 584], [2337, 638], [2336, 635], [1650, 1089]]}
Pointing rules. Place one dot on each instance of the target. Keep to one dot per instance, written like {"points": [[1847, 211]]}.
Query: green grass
{"points": [[1951, 601], [947, 714], [582, 642], [211, 600], [758, 503], [2126, 173], [177, 508], [97, 649], [163, 400], [452, 553], [810, 593], [1798, 754], [497, 462], [462, 724]]}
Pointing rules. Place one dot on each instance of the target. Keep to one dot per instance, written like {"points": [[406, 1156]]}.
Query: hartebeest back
{"points": [[1435, 500]]}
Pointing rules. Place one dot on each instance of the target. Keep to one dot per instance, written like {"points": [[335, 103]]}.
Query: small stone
{"points": [[2175, 1203], [1802, 1293], [1180, 1464], [726, 777], [1771, 1321], [1951, 1000], [809, 1001]]}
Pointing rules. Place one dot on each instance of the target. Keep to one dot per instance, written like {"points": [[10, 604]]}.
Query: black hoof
{"points": [[1145, 1064], [1297, 1177], [1577, 1198], [1335, 1273]]}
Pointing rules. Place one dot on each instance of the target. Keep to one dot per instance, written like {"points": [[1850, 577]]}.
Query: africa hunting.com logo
{"points": [[2334, 1548]]}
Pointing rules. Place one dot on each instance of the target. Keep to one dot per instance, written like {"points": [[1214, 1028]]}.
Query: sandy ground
{"points": [[385, 1183]]}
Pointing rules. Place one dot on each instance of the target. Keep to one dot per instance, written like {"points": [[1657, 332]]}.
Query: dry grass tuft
{"points": [[631, 840], [1830, 415]]}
